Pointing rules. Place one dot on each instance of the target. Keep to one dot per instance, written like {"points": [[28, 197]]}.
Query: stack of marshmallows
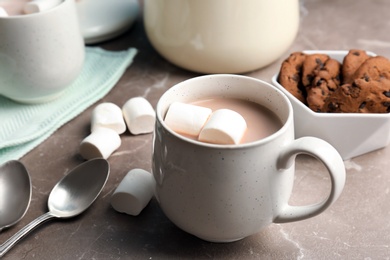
{"points": [[108, 121], [223, 126]]}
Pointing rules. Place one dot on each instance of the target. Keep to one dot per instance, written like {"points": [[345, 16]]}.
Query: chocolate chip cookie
{"points": [[374, 69], [290, 75], [352, 61], [356, 98], [311, 65], [326, 81]]}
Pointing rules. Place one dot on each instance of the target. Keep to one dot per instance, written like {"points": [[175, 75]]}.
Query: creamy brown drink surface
{"points": [[261, 122]]}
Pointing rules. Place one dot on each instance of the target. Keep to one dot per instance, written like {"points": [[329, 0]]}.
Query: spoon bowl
{"points": [[15, 193], [78, 190], [71, 196]]}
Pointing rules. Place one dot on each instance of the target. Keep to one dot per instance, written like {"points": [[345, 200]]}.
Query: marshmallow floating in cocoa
{"points": [[224, 126], [3, 12], [134, 192], [36, 6], [139, 115], [108, 115], [101, 143], [186, 118]]}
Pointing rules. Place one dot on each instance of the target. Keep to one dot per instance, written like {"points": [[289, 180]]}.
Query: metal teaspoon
{"points": [[15, 193], [71, 196]]}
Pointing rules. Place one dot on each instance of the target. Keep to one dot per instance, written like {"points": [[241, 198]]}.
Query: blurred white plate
{"points": [[101, 20]]}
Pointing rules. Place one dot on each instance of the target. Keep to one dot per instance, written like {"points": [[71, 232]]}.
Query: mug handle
{"points": [[332, 160]]}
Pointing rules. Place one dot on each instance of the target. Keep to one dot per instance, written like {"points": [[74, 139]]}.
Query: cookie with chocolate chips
{"points": [[360, 98], [374, 69], [326, 80], [352, 61], [312, 64], [343, 100], [290, 75]]}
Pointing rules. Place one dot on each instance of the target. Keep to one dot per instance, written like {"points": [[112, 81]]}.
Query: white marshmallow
{"points": [[186, 118], [36, 6], [134, 192], [101, 143], [225, 126], [139, 115], [3, 12], [108, 115]]}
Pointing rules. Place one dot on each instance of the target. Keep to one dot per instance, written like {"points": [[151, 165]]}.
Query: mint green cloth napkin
{"points": [[24, 126]]}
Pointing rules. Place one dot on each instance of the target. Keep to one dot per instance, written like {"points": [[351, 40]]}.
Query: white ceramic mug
{"points": [[221, 36], [40, 54], [223, 193]]}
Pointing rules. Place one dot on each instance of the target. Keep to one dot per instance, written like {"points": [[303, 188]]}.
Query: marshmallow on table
{"points": [[36, 6], [108, 115], [186, 118], [224, 126], [101, 143], [139, 115], [134, 192], [3, 12]]}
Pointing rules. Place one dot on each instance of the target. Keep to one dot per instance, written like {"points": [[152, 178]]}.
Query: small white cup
{"points": [[41, 54], [224, 193]]}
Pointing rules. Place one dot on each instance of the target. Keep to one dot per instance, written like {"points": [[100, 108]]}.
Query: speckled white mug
{"points": [[40, 54], [223, 193]]}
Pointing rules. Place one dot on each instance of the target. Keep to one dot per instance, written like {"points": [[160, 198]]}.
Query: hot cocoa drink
{"points": [[261, 122]]}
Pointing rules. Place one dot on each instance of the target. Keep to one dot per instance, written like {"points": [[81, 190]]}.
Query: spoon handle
{"points": [[7, 245]]}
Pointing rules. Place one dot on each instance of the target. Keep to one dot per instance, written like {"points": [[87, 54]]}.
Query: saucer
{"points": [[101, 20]]}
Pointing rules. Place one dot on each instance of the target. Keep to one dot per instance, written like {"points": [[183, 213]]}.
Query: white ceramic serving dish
{"points": [[351, 134]]}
